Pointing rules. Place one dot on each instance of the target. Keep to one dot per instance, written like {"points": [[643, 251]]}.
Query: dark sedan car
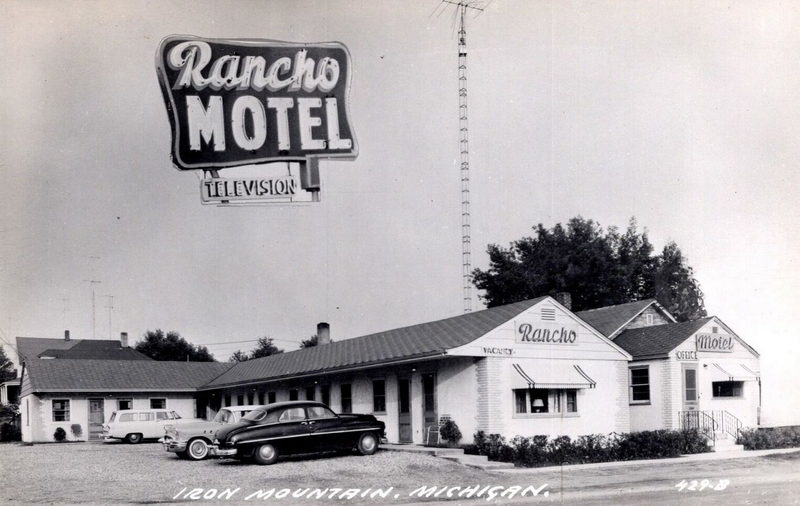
{"points": [[287, 428]]}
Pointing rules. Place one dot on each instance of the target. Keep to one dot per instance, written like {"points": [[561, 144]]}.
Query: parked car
{"points": [[286, 428], [191, 440], [135, 425]]}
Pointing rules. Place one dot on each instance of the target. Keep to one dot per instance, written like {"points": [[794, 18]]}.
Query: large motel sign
{"points": [[242, 102]]}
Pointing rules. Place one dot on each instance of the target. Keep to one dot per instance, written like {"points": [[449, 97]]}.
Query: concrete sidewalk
{"points": [[628, 463]]}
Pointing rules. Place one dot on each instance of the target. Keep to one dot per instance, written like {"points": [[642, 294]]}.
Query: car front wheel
{"points": [[265, 454], [197, 449], [367, 444], [133, 438]]}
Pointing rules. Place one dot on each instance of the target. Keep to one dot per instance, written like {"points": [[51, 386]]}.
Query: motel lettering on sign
{"points": [[715, 342], [241, 102]]}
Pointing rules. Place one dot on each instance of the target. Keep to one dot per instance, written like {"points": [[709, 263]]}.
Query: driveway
{"points": [[119, 473]]}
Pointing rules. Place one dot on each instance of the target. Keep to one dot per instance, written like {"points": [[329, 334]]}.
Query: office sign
{"points": [[714, 342], [241, 102]]}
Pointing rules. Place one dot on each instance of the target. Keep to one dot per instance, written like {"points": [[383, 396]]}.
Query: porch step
{"points": [[727, 444]]}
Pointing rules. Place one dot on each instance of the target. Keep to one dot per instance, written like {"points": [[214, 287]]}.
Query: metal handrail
{"points": [[710, 422]]}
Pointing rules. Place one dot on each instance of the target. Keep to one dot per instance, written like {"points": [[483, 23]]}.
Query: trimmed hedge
{"points": [[9, 432], [540, 451], [769, 438]]}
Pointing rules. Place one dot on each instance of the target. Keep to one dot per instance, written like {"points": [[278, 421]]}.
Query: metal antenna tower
{"points": [[94, 305], [462, 7], [110, 307]]}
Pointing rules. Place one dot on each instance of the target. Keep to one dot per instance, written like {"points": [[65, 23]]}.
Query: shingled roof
{"points": [[417, 341], [120, 375], [610, 319], [658, 340], [36, 347]]}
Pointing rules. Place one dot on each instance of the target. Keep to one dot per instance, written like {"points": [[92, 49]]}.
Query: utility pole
{"points": [[462, 8]]}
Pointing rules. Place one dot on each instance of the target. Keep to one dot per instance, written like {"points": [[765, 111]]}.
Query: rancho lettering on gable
{"points": [[536, 332], [715, 342]]}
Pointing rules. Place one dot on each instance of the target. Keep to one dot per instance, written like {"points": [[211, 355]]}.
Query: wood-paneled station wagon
{"points": [[297, 427]]}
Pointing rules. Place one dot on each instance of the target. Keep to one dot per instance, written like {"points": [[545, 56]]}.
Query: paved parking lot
{"points": [[120, 473]]}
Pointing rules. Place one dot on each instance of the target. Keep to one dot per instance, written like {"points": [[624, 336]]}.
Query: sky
{"points": [[681, 114]]}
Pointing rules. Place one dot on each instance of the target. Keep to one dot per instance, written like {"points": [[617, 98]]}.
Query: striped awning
{"points": [[732, 372], [557, 374]]}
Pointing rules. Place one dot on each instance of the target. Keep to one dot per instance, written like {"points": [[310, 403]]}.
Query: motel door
{"points": [[96, 419], [429, 405], [404, 410], [689, 374]]}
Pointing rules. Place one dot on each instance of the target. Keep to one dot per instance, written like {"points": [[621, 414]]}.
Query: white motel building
{"points": [[527, 368]]}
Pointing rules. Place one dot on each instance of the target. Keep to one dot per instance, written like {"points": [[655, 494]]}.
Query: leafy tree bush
{"points": [[77, 430], [60, 435], [171, 346], [597, 267], [543, 451], [9, 432], [450, 432], [769, 438]]}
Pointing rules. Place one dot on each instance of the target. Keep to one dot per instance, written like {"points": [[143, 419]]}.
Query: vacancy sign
{"points": [[242, 102]]}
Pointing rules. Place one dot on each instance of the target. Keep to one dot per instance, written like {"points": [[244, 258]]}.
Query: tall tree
{"points": [[597, 267], [171, 346], [7, 370], [675, 286], [265, 348], [239, 356], [311, 342]]}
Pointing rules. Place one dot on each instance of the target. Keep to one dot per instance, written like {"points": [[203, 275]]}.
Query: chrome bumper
{"points": [[384, 441], [171, 445], [216, 451]]}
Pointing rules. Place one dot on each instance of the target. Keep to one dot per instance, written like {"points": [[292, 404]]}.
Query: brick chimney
{"points": [[123, 339], [323, 333], [565, 299], [66, 335]]}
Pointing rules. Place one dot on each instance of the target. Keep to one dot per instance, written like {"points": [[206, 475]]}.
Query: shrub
{"points": [[60, 435], [77, 430], [769, 438], [9, 432], [541, 450], [450, 431]]}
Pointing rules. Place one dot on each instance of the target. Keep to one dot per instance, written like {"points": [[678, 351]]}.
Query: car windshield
{"points": [[222, 416], [176, 416], [256, 415]]}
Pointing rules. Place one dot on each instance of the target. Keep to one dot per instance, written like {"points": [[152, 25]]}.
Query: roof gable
{"points": [[658, 340], [415, 341], [611, 320]]}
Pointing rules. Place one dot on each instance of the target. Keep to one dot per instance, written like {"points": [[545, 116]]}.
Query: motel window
{"points": [[271, 398], [727, 388], [251, 398], [545, 401], [293, 394], [379, 396], [310, 393], [124, 404], [639, 385], [61, 410], [325, 390], [240, 400], [260, 398], [227, 399], [160, 403], [347, 398]]}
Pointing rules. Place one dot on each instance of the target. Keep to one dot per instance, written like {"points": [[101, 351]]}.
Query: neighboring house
{"points": [[29, 348], [611, 320], [62, 393], [9, 391]]}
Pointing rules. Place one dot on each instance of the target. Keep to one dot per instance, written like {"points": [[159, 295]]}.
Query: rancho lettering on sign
{"points": [[241, 102]]}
